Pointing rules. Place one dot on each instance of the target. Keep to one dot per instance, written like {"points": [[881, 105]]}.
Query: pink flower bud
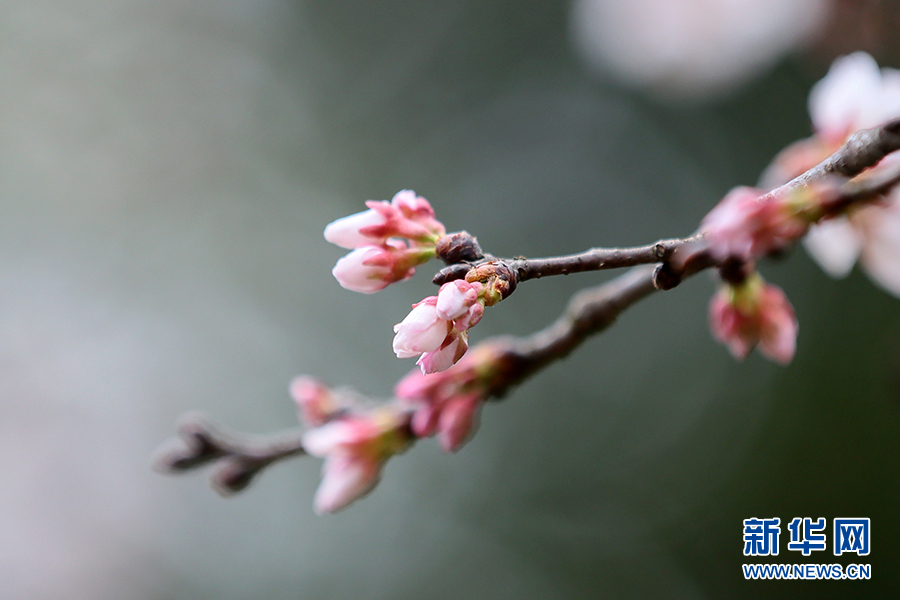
{"points": [[421, 331], [455, 298], [452, 349], [748, 224], [369, 269], [447, 403], [347, 232], [754, 313], [437, 326], [345, 479], [456, 421], [355, 448], [416, 209], [470, 318], [316, 402], [407, 216]]}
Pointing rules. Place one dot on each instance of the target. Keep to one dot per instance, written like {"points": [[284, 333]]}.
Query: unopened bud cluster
{"points": [[388, 241], [354, 441], [357, 440]]}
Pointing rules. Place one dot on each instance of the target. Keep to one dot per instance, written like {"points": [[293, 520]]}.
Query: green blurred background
{"points": [[166, 170]]}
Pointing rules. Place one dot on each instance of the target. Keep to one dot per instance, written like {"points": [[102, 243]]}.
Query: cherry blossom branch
{"points": [[238, 459], [355, 442]]}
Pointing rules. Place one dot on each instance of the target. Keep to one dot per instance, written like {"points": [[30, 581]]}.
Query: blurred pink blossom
{"points": [[748, 224], [693, 48], [447, 403], [754, 313], [355, 449], [316, 402]]}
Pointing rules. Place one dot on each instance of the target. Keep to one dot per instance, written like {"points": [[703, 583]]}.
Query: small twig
{"points": [[595, 259], [238, 459], [864, 149]]}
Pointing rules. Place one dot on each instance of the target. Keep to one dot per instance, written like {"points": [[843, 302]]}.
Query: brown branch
{"points": [[589, 312], [595, 259], [862, 150], [238, 459]]}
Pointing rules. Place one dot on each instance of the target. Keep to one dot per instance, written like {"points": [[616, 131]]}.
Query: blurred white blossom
{"points": [[692, 48], [856, 95]]}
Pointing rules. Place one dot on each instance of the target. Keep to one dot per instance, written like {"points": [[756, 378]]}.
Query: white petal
{"points": [[881, 253], [421, 331], [451, 302], [323, 440], [345, 233], [835, 245], [344, 479], [837, 102], [887, 105]]}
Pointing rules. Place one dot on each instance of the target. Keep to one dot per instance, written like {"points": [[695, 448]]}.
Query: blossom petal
{"points": [[837, 101], [421, 331], [881, 253], [834, 244], [345, 232], [353, 274], [345, 479], [456, 422], [452, 349], [314, 399], [324, 439], [453, 300]]}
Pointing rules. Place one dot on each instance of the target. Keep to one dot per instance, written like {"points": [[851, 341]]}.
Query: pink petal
{"points": [[353, 274], [778, 325], [325, 439], [421, 331], [345, 478], [881, 251], [452, 349], [778, 335], [345, 232], [453, 300], [425, 420], [456, 421], [781, 344], [471, 318], [728, 327], [314, 399]]}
